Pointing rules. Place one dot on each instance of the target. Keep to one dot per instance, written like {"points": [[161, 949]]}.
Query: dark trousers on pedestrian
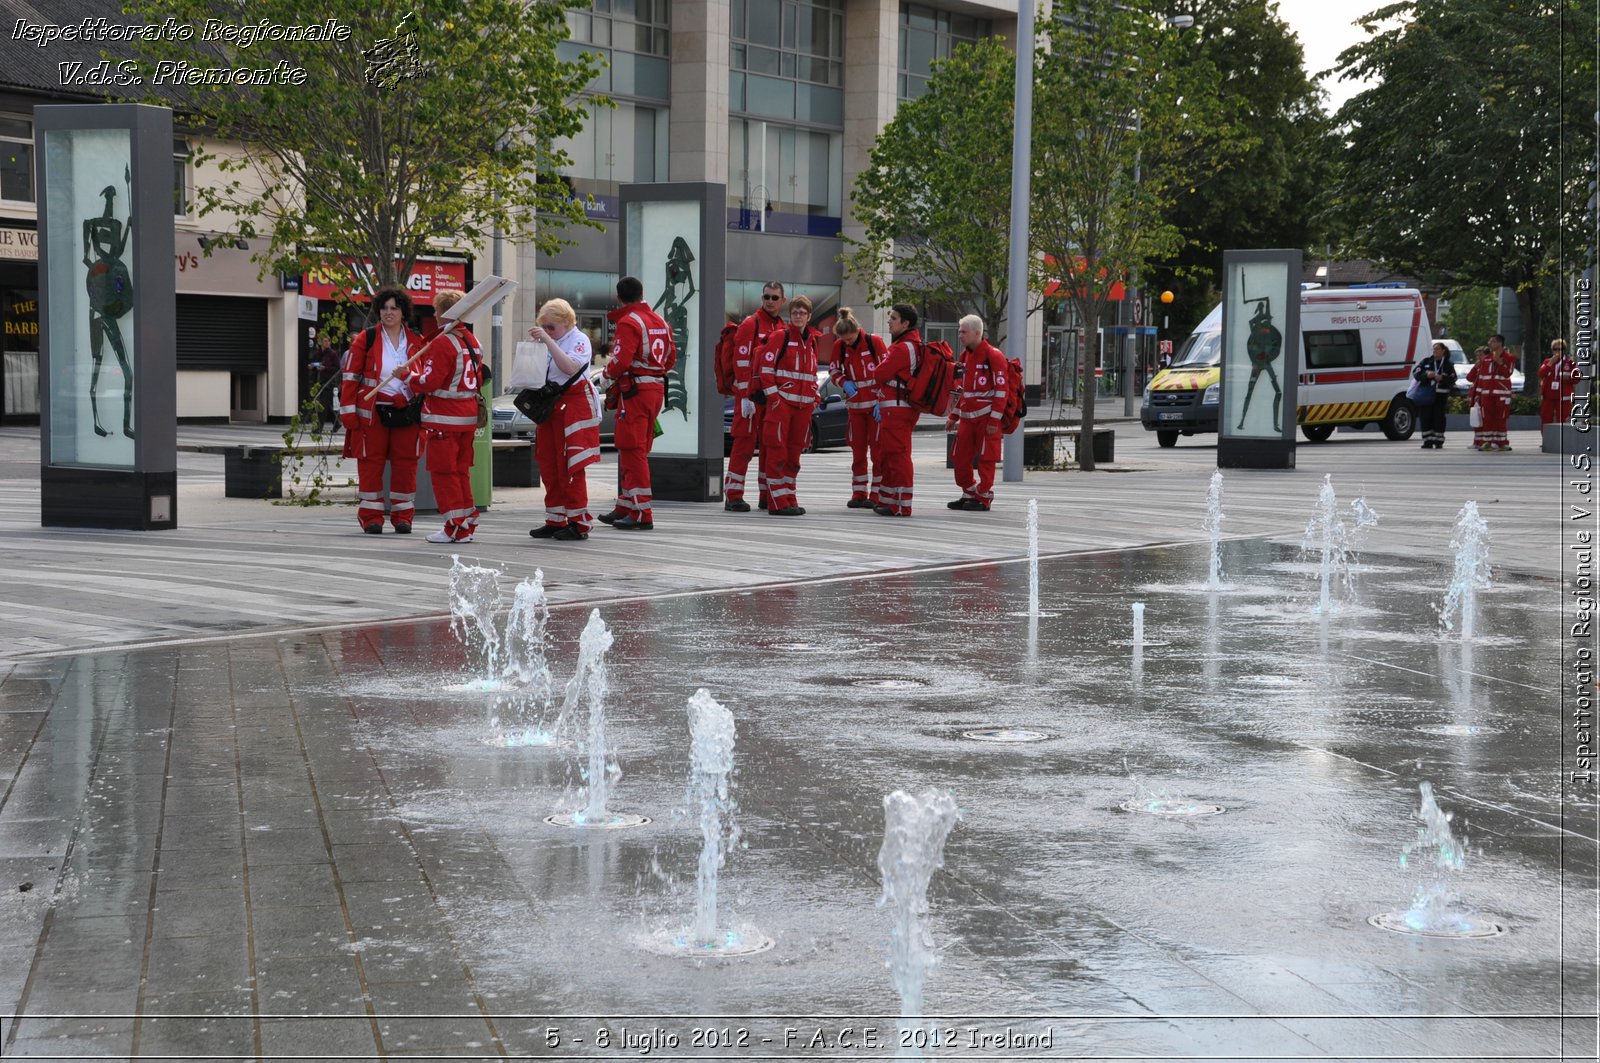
{"points": [[1432, 417]]}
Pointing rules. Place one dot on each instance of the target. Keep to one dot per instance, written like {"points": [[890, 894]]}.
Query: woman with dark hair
{"points": [[897, 417], [1435, 378], [380, 428], [857, 357]]}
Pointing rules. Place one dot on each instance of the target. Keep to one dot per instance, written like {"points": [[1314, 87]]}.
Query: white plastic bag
{"points": [[1475, 416], [530, 366]]}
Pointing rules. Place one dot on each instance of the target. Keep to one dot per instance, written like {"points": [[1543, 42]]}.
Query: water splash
{"points": [[1470, 541], [710, 762], [914, 832], [1159, 802], [1435, 907], [1138, 626], [1033, 558], [474, 619], [590, 679], [1213, 529], [529, 689], [1334, 538]]}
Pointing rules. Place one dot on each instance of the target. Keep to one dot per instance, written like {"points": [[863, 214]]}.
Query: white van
{"points": [[1357, 350]]}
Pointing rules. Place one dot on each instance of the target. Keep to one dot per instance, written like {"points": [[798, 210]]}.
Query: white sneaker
{"points": [[442, 536]]}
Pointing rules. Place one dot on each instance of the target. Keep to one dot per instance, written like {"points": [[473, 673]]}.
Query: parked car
{"points": [[1459, 359], [830, 421], [508, 422]]}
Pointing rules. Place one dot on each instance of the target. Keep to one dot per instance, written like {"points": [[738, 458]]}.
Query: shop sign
{"points": [[426, 277]]}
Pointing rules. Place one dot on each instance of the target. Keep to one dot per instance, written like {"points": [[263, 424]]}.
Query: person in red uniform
{"points": [[1491, 390], [747, 413], [897, 419], [855, 359], [375, 355], [1558, 379], [976, 420], [788, 383], [568, 442], [641, 354], [448, 376]]}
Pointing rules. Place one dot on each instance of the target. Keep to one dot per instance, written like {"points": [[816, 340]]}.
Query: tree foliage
{"points": [[1453, 166], [1272, 197], [450, 139], [935, 198], [1124, 121]]}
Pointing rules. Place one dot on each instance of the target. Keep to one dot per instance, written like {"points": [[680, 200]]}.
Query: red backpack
{"points": [[1016, 399], [724, 356], [933, 379]]}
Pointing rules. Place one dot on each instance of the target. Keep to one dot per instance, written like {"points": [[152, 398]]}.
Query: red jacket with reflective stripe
{"points": [[643, 348], [856, 363], [789, 366], [449, 374], [747, 344], [363, 371], [983, 383], [895, 370]]}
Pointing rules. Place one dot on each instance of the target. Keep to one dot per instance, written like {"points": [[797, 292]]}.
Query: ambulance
{"points": [[1357, 349]]}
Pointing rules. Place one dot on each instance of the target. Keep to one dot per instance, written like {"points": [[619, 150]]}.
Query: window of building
{"points": [[16, 159], [927, 34], [1332, 349], [618, 145], [786, 59], [785, 169], [181, 198], [634, 37]]}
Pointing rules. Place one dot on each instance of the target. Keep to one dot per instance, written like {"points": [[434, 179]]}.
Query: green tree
{"points": [[1474, 316], [1453, 166], [935, 198], [1124, 120], [1273, 198], [384, 143]]}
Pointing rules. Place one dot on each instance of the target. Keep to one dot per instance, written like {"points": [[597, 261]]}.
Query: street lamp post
{"points": [[1021, 190]]}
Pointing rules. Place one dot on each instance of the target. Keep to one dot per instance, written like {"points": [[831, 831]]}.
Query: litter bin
{"points": [[483, 456]]}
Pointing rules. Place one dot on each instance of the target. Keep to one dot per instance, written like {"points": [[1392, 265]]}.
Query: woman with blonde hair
{"points": [[855, 358], [568, 442]]}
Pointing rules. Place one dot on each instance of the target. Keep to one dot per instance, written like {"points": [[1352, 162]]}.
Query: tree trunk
{"points": [[1091, 387], [1528, 307]]}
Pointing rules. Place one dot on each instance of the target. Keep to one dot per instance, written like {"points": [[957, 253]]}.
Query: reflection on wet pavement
{"points": [[308, 844]]}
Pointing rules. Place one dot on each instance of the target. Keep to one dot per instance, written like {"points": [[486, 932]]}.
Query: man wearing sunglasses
{"points": [[748, 410]]}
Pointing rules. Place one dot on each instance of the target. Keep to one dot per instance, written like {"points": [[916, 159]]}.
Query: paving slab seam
{"points": [[155, 869], [484, 1012], [244, 862]]}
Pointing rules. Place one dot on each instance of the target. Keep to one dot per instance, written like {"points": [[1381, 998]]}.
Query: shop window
{"points": [[16, 159]]}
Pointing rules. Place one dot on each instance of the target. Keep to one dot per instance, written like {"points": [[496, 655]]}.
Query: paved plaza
{"points": [[250, 805]]}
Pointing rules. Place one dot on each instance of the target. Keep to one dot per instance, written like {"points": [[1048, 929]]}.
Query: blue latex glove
{"points": [[850, 389], [877, 412]]}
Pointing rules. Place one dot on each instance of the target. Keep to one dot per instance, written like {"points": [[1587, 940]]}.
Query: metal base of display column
{"points": [[681, 479], [1255, 454], [72, 497]]}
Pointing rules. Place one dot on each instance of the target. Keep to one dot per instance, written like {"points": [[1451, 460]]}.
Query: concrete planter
{"points": [[1522, 422]]}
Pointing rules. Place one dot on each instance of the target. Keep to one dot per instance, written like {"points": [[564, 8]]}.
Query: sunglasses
{"points": [[771, 298]]}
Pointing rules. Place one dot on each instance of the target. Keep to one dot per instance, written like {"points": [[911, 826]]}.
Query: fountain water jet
{"points": [[1213, 528], [1435, 911], [529, 689], [1159, 803], [590, 679], [1470, 541], [711, 734], [1328, 533], [474, 619], [1033, 558], [914, 832]]}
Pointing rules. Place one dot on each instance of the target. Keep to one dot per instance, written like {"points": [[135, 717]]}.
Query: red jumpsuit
{"points": [[568, 443], [373, 444], [449, 376], [750, 338], [641, 354], [983, 401], [1558, 379], [1491, 389], [899, 419], [856, 364], [788, 378]]}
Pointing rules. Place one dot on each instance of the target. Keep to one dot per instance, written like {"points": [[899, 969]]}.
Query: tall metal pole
{"points": [[1133, 281], [1021, 197]]}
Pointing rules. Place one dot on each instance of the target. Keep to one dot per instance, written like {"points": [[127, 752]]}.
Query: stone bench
{"points": [[255, 470], [514, 463], [1039, 445]]}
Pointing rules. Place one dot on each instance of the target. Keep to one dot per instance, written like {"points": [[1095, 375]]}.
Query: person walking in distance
{"points": [[855, 359], [376, 427], [448, 377], [568, 442], [897, 418], [976, 420], [789, 390], [641, 354], [747, 413]]}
